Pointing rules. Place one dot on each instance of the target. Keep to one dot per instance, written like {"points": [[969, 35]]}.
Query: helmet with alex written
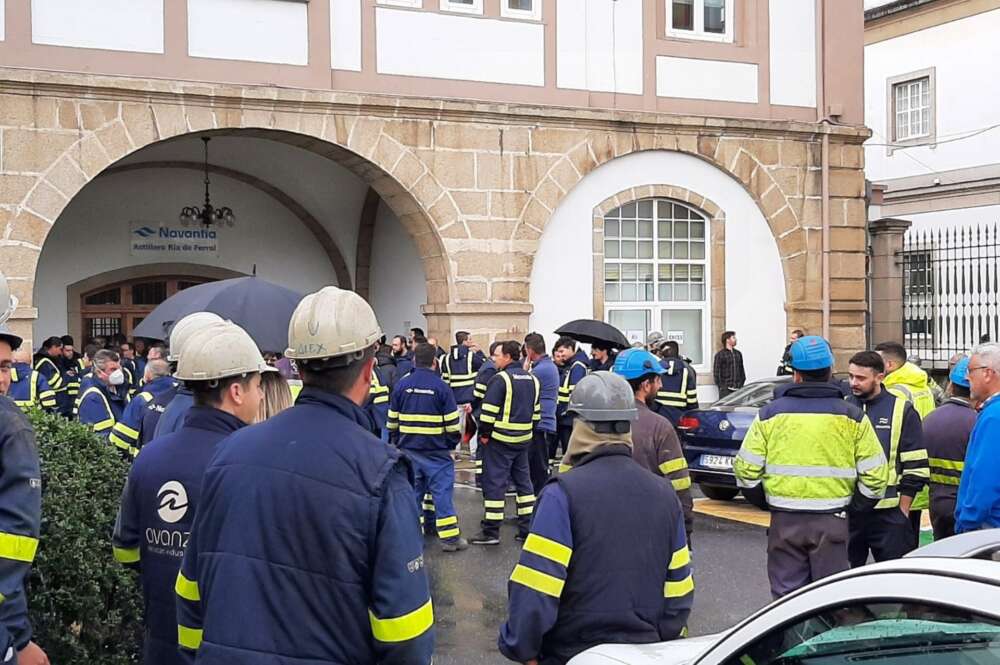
{"points": [[332, 323]]}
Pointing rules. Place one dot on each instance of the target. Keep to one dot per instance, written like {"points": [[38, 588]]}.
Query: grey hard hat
{"points": [[654, 338], [603, 397], [9, 337]]}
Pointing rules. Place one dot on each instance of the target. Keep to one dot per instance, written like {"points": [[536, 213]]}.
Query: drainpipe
{"points": [[825, 158], [824, 122]]}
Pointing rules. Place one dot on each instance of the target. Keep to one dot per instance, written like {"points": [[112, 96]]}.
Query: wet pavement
{"points": [[470, 588]]}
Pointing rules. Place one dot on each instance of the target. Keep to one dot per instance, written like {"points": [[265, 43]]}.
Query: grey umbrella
{"points": [[263, 309]]}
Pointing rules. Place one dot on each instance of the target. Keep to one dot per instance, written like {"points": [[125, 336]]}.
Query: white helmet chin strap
{"points": [[11, 306]]}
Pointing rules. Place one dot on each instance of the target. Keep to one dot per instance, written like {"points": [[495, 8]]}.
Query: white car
{"points": [[938, 606]]}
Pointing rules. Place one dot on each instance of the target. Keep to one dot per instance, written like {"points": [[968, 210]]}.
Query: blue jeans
{"points": [[434, 474]]}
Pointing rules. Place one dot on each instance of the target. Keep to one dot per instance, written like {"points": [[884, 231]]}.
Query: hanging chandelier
{"points": [[206, 215]]}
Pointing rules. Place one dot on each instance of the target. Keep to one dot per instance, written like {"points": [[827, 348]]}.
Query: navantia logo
{"points": [[144, 232], [172, 500]]}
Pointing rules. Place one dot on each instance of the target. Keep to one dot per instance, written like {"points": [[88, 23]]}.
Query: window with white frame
{"points": [[402, 3], [656, 273], [526, 9], [701, 19], [464, 6], [912, 109]]}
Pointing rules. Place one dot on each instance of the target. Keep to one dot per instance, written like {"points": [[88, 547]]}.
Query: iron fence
{"points": [[951, 291]]}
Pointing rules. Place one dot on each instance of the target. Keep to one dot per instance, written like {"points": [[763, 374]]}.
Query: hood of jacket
{"points": [[908, 375]]}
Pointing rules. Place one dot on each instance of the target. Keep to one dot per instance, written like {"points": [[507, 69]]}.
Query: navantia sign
{"points": [[154, 239]]}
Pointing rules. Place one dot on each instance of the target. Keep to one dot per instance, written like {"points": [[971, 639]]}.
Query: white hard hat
{"points": [[8, 303], [217, 351], [184, 329], [331, 323]]}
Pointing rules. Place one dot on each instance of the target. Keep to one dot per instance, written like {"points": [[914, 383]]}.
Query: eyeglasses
{"points": [[973, 369]]}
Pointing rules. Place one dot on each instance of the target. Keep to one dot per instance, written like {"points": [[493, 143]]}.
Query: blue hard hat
{"points": [[636, 363], [811, 352], [960, 372]]}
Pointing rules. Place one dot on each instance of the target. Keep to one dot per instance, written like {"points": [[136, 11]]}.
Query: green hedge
{"points": [[85, 607]]}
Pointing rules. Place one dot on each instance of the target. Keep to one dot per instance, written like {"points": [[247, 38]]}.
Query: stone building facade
{"points": [[473, 183]]}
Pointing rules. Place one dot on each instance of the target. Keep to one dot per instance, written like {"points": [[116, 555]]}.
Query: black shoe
{"points": [[521, 537], [484, 539], [454, 545]]}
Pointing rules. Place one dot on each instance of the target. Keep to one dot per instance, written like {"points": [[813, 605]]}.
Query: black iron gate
{"points": [[951, 287]]}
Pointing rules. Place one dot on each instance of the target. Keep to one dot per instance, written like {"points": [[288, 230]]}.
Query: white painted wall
{"points": [[599, 45], [465, 48], [966, 98], [256, 30], [562, 277], [331, 193], [959, 218], [689, 78], [3, 20], [792, 38], [398, 284], [345, 33], [118, 25], [92, 236]]}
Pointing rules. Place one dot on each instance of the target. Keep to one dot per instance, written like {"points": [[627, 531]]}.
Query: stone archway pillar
{"points": [[486, 321], [887, 278]]}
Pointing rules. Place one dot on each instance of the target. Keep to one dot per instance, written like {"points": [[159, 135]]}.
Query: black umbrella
{"points": [[261, 308], [592, 331]]}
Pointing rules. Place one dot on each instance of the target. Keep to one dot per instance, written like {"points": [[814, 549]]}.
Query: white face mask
{"points": [[117, 377]]}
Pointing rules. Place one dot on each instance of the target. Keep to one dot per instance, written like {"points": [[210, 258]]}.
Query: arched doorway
{"points": [[116, 309], [305, 219]]}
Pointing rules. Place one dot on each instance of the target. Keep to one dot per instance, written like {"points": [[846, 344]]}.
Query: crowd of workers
{"points": [[314, 515]]}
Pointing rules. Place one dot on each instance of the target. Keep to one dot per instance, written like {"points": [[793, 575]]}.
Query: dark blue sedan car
{"points": [[712, 436]]}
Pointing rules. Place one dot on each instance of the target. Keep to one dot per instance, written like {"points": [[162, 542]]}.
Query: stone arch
{"points": [[769, 169], [717, 243], [98, 133]]}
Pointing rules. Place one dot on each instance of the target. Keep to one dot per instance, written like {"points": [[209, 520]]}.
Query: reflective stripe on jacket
{"points": [[581, 581], [898, 428], [306, 547], [423, 414], [946, 435], [911, 383], [458, 369], [20, 521], [98, 407], [155, 516], [571, 375], [810, 450], [127, 432], [29, 388], [511, 407]]}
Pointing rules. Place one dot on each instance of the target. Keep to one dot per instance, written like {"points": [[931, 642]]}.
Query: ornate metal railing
{"points": [[951, 288]]}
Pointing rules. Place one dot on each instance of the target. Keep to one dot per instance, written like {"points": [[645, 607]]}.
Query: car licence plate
{"points": [[717, 462]]}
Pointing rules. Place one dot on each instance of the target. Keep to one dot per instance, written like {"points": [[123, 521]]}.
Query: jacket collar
{"points": [[212, 420], [908, 375], [607, 450], [541, 360], [580, 357], [160, 383], [338, 403], [883, 395], [809, 391], [959, 401], [992, 399]]}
